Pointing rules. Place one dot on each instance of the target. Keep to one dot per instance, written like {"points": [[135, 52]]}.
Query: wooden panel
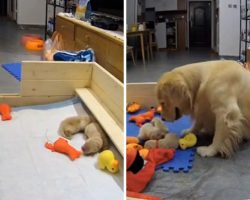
{"points": [[56, 71], [107, 122], [181, 37], [51, 87], [143, 93], [16, 100], [108, 35], [110, 91], [113, 70], [66, 28], [108, 54], [116, 58], [89, 39], [108, 46], [181, 4], [82, 35]]}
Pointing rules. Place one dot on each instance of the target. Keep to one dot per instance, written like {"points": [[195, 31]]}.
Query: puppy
{"points": [[97, 139], [72, 125], [154, 130], [170, 141], [215, 94]]}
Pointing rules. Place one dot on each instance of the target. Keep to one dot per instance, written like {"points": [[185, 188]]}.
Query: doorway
{"points": [[3, 8], [200, 24]]}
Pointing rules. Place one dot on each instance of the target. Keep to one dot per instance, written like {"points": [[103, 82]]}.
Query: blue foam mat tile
{"points": [[183, 160], [15, 69], [177, 126]]}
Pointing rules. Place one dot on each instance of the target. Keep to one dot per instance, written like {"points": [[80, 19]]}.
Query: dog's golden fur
{"points": [[216, 95]]}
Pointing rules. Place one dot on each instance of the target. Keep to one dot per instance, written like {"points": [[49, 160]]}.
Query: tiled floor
{"points": [[164, 61], [11, 51]]}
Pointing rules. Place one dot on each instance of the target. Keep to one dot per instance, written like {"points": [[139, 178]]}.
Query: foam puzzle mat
{"points": [[183, 160], [14, 69]]}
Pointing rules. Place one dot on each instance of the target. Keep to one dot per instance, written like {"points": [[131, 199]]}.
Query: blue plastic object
{"points": [[79, 56], [183, 160], [15, 69]]}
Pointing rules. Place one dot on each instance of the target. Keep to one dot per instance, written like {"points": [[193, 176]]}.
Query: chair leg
{"points": [[148, 52], [151, 45], [133, 58]]}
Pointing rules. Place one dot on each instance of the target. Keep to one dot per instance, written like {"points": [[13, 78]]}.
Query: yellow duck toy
{"points": [[106, 159], [189, 140]]}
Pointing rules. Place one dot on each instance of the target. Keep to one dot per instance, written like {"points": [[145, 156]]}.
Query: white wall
{"points": [[131, 12], [229, 28], [162, 5], [31, 12]]}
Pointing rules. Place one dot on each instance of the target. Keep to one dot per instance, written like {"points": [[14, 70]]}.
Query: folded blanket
{"points": [[79, 56]]}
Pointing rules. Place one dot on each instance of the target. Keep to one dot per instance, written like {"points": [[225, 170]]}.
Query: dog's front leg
{"points": [[228, 133]]}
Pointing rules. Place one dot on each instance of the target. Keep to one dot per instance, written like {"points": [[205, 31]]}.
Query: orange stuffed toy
{"points": [[132, 139], [133, 107], [141, 118], [5, 111], [61, 145]]}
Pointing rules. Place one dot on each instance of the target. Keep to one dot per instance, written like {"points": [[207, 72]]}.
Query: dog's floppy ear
{"points": [[178, 89]]}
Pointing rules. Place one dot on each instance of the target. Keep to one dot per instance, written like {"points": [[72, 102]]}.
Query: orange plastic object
{"points": [[131, 139], [141, 118], [133, 107], [5, 111], [34, 45], [61, 145], [28, 37]]}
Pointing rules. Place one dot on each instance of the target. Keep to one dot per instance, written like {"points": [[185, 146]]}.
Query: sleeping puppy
{"points": [[153, 130], [72, 125], [97, 139], [216, 95]]}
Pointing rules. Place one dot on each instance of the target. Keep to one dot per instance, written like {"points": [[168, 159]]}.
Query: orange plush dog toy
{"points": [[141, 118], [5, 111], [61, 145]]}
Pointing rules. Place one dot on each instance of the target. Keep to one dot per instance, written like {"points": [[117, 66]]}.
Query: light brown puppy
{"points": [[215, 94], [97, 139], [153, 130], [72, 125], [170, 141]]}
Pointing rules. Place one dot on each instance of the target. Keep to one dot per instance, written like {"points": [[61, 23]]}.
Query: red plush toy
{"points": [[138, 176], [142, 118], [5, 111]]}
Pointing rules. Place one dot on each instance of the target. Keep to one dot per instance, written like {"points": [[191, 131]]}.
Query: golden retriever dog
{"points": [[216, 95]]}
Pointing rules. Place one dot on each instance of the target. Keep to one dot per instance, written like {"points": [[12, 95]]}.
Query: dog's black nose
{"points": [[163, 119]]}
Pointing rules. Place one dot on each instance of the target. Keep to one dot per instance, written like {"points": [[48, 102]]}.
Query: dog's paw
{"points": [[206, 151]]}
